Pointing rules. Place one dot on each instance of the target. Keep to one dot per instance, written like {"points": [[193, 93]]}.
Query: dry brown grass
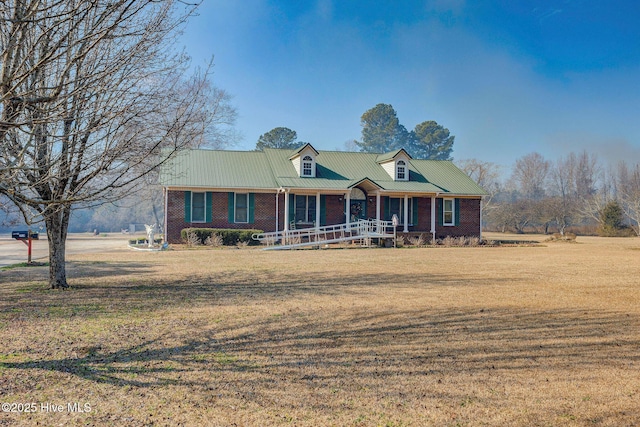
{"points": [[518, 336]]}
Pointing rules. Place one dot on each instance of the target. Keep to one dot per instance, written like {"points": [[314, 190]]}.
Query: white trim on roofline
{"points": [[222, 189], [323, 191]]}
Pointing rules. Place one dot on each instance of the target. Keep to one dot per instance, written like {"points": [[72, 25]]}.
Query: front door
{"points": [[358, 208]]}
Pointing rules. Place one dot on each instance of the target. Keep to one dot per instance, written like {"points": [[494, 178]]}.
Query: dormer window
{"points": [[396, 164], [307, 166], [401, 170], [304, 161]]}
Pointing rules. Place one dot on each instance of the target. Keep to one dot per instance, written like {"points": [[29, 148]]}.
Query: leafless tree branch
{"points": [[94, 97]]}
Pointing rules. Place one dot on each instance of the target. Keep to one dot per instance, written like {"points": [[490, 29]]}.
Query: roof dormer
{"points": [[304, 161], [396, 164]]}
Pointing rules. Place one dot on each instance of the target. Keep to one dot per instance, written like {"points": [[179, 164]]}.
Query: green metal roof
{"points": [[335, 170], [220, 169]]}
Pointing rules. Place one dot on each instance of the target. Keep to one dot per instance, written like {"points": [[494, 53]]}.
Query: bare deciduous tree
{"points": [[628, 186], [486, 175], [93, 98], [563, 206], [530, 173]]}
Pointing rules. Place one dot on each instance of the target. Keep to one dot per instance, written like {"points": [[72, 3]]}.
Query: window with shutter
{"points": [[241, 208], [448, 212], [198, 207]]}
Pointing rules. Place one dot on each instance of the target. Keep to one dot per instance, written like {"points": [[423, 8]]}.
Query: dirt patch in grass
{"points": [[456, 336]]}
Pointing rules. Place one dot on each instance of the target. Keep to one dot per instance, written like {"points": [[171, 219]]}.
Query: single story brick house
{"points": [[278, 190]]}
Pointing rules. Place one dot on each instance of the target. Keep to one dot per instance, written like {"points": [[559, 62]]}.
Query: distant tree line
{"points": [[576, 192]]}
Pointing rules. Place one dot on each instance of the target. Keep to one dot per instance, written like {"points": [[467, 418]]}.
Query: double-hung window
{"points": [[305, 209], [307, 166], [448, 214], [241, 207], [401, 170], [197, 207]]}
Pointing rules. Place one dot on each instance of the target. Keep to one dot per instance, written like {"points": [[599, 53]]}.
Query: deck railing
{"points": [[361, 229]]}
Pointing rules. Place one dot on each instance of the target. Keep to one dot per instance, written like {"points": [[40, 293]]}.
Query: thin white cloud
{"points": [[543, 14]]}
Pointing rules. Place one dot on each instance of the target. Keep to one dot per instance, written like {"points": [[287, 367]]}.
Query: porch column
{"points": [[378, 211], [347, 214], [286, 211], [406, 214], [317, 210], [277, 210], [433, 218]]}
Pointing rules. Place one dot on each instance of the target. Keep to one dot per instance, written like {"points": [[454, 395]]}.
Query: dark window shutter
{"points": [[292, 207], [323, 210], [231, 207], [208, 207], [439, 206], [187, 206], [456, 211], [414, 218], [252, 203], [387, 208]]}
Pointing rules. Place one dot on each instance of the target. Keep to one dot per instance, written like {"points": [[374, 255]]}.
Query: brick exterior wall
{"points": [[174, 212], [335, 210], [469, 224], [265, 214], [424, 215]]}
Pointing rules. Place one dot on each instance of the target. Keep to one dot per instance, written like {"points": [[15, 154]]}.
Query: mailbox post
{"points": [[26, 237]]}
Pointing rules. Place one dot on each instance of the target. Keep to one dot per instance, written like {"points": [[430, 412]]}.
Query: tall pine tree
{"points": [[381, 130], [429, 140]]}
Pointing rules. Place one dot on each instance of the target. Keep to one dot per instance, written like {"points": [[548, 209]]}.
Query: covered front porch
{"points": [[364, 200]]}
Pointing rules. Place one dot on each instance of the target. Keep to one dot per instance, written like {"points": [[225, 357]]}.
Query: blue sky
{"points": [[505, 77]]}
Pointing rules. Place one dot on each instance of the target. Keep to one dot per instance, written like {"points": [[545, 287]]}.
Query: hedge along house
{"points": [[279, 190]]}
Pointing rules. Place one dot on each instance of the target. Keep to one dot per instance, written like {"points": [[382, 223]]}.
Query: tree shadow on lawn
{"points": [[234, 287], [25, 292], [499, 339], [255, 358], [118, 288], [75, 271]]}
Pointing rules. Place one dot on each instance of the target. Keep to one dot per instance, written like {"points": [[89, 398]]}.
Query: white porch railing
{"points": [[360, 230]]}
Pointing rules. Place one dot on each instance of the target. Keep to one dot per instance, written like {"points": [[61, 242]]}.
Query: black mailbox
{"points": [[22, 235]]}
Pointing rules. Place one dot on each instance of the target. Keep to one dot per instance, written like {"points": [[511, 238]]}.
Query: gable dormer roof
{"points": [[300, 150], [387, 157]]}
